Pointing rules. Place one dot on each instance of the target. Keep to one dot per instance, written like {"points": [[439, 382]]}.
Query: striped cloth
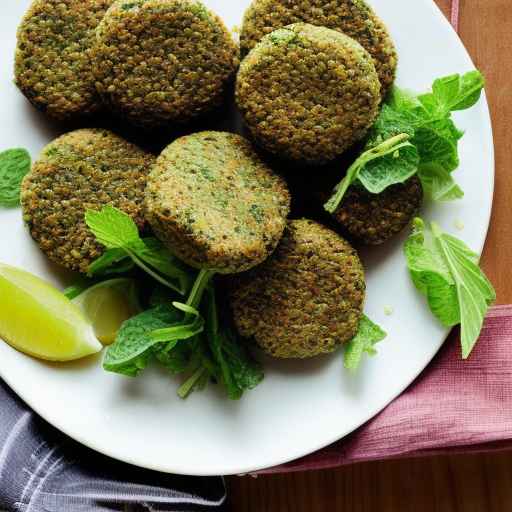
{"points": [[41, 470]]}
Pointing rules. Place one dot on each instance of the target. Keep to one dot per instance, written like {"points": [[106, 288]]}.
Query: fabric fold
{"points": [[43, 470], [454, 405]]}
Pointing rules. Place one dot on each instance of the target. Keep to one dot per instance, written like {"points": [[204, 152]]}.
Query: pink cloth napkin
{"points": [[454, 17], [454, 406]]}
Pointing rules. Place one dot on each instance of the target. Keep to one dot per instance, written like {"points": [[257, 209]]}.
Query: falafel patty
{"points": [[162, 61], [352, 17], [83, 169], [373, 219], [215, 203], [308, 93], [53, 57], [306, 299]]}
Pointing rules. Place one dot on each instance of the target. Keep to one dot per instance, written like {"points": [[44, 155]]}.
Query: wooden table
{"points": [[467, 483]]}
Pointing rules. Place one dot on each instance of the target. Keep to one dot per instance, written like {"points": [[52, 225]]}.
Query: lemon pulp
{"points": [[107, 305], [39, 320]]}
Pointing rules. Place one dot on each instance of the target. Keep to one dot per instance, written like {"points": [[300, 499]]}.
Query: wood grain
{"points": [[466, 483]]}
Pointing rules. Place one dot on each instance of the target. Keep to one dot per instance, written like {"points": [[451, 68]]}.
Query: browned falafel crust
{"points": [[215, 203], [306, 299], [83, 169], [162, 61], [352, 17], [53, 56], [308, 93], [373, 219]]}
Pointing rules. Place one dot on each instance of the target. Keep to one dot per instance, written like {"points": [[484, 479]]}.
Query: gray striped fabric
{"points": [[41, 470]]}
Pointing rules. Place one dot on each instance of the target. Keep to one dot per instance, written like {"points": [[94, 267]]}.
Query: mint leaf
{"points": [[457, 92], [434, 147], [368, 335], [438, 184], [134, 345], [445, 270], [178, 360], [118, 232], [112, 227], [390, 122], [188, 328], [389, 169], [14, 165]]}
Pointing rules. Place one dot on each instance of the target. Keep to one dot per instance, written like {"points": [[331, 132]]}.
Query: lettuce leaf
{"points": [[446, 271], [368, 335]]}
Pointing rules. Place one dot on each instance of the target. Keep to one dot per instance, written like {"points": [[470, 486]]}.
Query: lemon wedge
{"points": [[37, 319], [107, 305]]}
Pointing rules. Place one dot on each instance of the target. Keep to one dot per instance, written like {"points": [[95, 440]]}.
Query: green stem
{"points": [[153, 274], [178, 333], [196, 294], [186, 388], [384, 148]]}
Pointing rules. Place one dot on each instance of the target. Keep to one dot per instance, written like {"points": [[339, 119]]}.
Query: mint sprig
{"points": [[171, 332], [119, 234], [14, 166], [446, 271], [431, 148]]}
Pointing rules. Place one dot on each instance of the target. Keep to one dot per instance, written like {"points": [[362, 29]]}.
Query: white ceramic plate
{"points": [[301, 406]]}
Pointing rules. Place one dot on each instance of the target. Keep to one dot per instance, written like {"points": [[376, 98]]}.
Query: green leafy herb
{"points": [[14, 165], [119, 234], [454, 92], [424, 137], [171, 332], [446, 271], [368, 335], [438, 184], [237, 371], [134, 345], [182, 330], [393, 161]]}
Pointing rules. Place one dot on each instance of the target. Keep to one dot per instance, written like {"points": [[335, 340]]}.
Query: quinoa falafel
{"points": [[352, 17], [53, 60], [308, 93], [306, 299], [162, 61], [83, 169], [373, 219], [215, 203]]}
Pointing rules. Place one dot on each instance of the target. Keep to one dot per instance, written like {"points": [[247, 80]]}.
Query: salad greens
{"points": [[14, 165], [415, 135], [368, 335], [446, 271], [186, 338]]}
